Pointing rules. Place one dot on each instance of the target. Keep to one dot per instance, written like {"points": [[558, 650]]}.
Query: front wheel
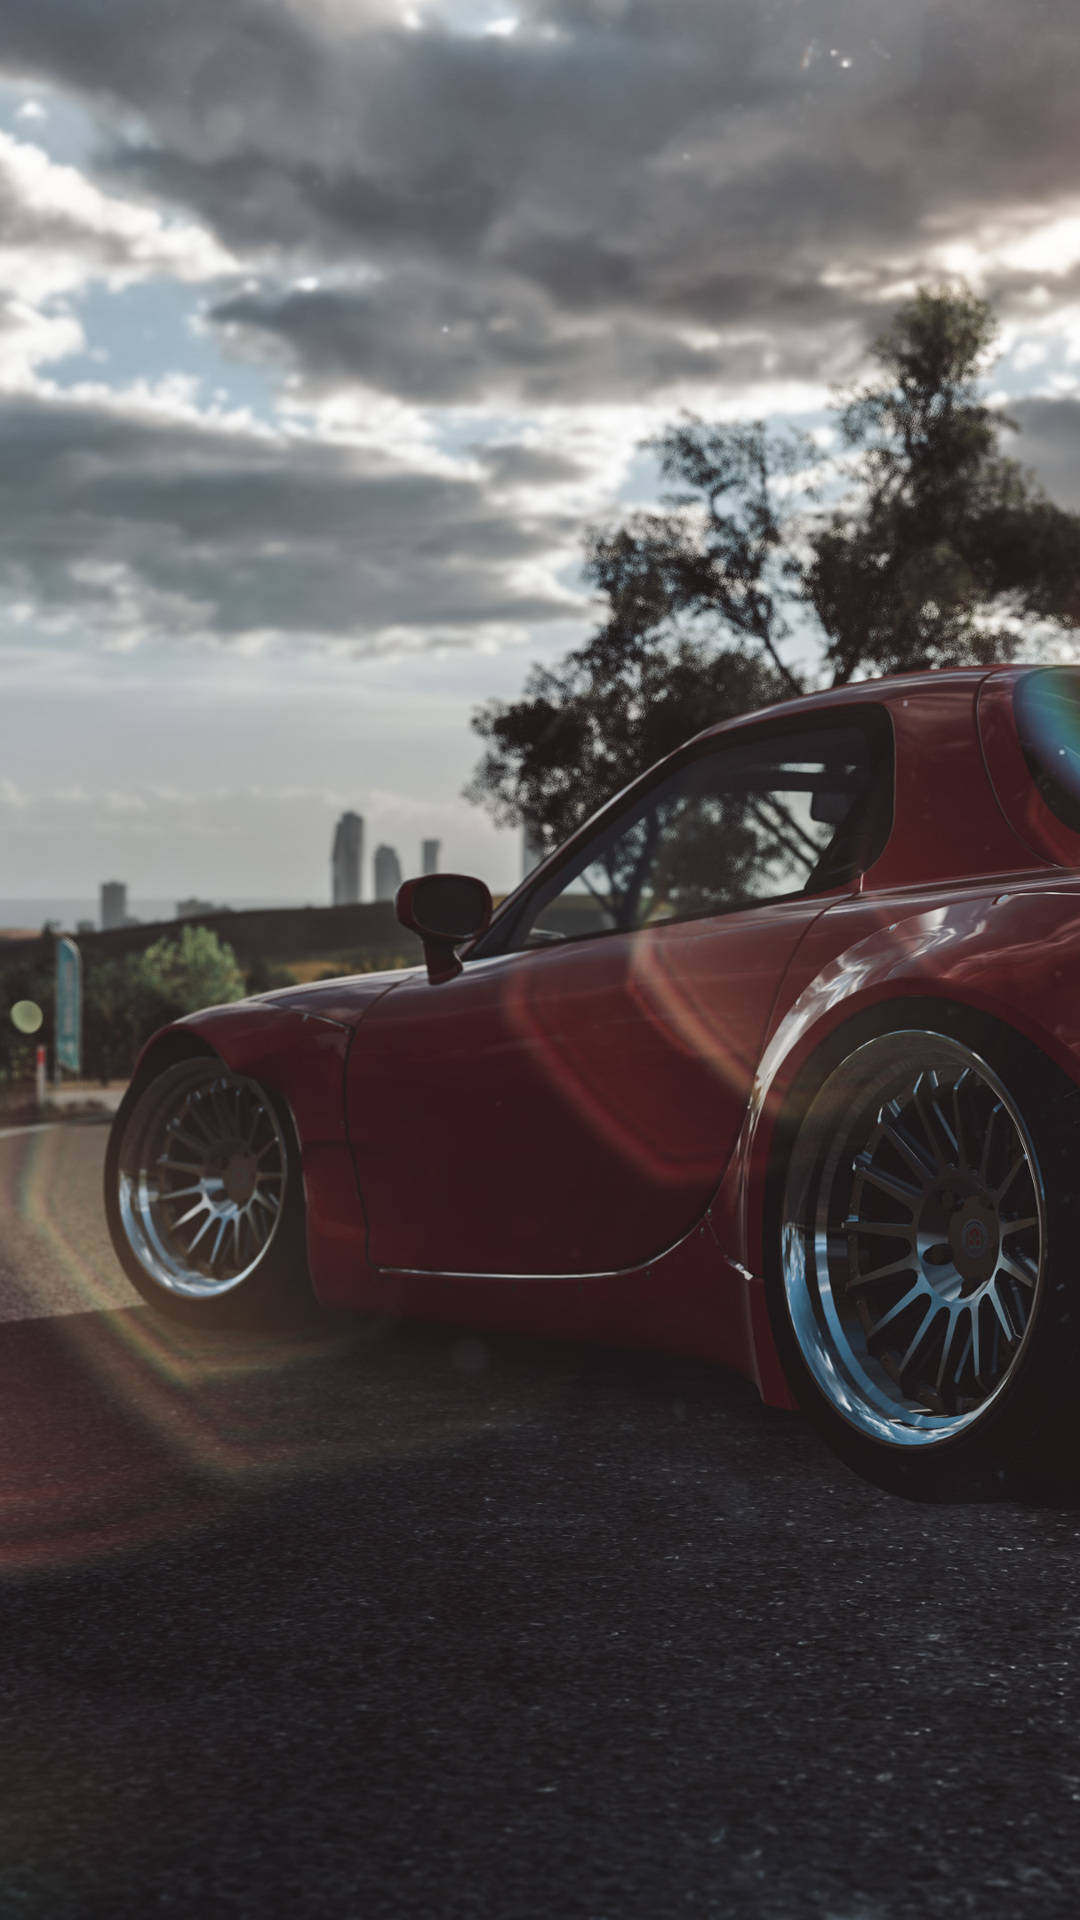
{"points": [[203, 1197], [921, 1289]]}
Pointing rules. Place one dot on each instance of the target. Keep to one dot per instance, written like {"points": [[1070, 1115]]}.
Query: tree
{"points": [[198, 970], [128, 999], [924, 546], [948, 552], [586, 727]]}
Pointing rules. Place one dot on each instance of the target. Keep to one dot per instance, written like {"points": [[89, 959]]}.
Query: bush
{"points": [[128, 999], [263, 976]]}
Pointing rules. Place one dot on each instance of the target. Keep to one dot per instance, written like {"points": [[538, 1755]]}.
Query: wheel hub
{"points": [[958, 1233], [238, 1170], [975, 1241]]}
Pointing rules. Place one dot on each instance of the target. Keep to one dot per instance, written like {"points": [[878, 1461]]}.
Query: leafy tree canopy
{"points": [[127, 999], [923, 545], [198, 970]]}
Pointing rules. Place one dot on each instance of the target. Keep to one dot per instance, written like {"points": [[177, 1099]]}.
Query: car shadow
{"points": [[120, 1428]]}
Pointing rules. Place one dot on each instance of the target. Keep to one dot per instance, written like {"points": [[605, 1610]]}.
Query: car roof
{"points": [[880, 691]]}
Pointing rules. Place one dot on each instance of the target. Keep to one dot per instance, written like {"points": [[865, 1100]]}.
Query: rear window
{"points": [[1047, 707]]}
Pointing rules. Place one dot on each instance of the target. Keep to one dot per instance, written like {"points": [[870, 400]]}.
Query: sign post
{"points": [[68, 1006]]}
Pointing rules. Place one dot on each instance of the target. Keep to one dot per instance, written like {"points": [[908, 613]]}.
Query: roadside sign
{"points": [[68, 1006]]}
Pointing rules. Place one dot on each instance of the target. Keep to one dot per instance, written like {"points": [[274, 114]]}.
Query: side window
{"points": [[785, 815]]}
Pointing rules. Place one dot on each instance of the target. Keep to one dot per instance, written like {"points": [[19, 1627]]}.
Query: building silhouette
{"points": [[347, 860], [532, 850], [192, 908], [429, 855], [114, 911], [387, 873]]}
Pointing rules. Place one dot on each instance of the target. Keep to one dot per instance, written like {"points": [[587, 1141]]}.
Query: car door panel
{"points": [[568, 1109]]}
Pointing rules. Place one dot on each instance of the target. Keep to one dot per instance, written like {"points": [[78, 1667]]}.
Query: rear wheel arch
{"points": [[1027, 1421], [957, 1018]]}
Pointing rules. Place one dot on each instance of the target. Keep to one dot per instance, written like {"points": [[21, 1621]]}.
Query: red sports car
{"points": [[775, 1061]]}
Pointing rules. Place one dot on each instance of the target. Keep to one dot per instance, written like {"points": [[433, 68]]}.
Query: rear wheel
{"points": [[203, 1196], [922, 1284]]}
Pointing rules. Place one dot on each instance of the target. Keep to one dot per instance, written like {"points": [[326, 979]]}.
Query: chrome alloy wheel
{"points": [[913, 1238], [201, 1179]]}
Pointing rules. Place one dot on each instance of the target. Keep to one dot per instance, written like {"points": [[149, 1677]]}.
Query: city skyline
{"points": [[83, 910]]}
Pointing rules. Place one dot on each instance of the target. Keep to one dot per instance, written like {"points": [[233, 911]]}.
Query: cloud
{"points": [[613, 169], [444, 342], [30, 339], [1049, 443], [58, 229], [169, 840], [142, 520], [622, 205]]}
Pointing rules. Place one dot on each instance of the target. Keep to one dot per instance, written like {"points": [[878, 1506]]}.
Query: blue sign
{"points": [[68, 1006]]}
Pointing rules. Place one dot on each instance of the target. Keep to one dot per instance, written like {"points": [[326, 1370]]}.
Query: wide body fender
{"points": [[1012, 955], [298, 1052]]}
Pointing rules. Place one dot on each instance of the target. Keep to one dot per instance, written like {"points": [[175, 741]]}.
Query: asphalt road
{"points": [[398, 1622]]}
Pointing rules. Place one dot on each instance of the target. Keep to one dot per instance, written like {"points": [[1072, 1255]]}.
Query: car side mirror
{"points": [[444, 909]]}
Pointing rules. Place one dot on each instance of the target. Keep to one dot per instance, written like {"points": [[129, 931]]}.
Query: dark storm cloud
{"points": [[509, 464], [645, 165], [152, 521], [441, 342]]}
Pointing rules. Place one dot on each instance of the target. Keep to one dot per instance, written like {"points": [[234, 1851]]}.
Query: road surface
{"points": [[398, 1622]]}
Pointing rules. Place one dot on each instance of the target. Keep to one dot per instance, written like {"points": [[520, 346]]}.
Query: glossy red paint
{"points": [[300, 1055], [1048, 838], [564, 1110], [580, 1138]]}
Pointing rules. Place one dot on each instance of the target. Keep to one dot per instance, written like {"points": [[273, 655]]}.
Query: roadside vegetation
{"points": [[124, 1000]]}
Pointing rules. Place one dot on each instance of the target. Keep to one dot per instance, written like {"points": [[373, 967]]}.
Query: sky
{"points": [[327, 327]]}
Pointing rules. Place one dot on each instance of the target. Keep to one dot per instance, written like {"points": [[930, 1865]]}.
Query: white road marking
{"points": [[41, 1126]]}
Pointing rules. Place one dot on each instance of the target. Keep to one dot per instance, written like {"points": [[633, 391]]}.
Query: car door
{"points": [[568, 1104]]}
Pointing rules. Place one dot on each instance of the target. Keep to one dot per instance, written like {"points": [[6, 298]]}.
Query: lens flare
{"points": [[122, 1429], [1048, 721]]}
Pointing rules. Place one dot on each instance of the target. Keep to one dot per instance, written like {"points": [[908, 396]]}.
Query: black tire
{"points": [[204, 1198], [921, 1275]]}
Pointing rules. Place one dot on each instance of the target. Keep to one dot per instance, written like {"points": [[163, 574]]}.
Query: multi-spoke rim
{"points": [[202, 1173], [913, 1238]]}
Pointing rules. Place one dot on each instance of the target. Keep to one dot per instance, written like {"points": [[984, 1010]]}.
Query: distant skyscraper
{"points": [[429, 855], [114, 911], [532, 850], [387, 873], [347, 860]]}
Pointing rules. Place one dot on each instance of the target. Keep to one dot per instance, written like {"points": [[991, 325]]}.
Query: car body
{"points": [[649, 1107]]}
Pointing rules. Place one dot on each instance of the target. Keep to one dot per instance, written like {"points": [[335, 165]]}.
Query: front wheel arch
{"points": [[278, 1289]]}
